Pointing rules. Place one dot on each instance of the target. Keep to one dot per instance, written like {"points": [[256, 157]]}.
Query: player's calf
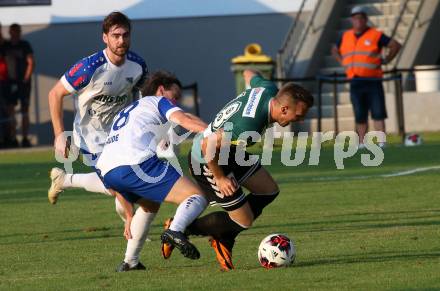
{"points": [[263, 190], [258, 202]]}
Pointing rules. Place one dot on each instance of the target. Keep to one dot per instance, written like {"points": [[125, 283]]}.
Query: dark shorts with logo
{"points": [[206, 181], [367, 96], [19, 91]]}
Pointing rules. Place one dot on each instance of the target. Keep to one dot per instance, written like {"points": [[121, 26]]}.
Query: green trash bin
{"points": [[253, 58]]}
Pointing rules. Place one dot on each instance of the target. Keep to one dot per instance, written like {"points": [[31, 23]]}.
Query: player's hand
{"points": [[61, 145], [226, 185], [127, 231]]}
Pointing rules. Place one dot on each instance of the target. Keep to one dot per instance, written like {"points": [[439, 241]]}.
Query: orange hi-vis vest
{"points": [[361, 55]]}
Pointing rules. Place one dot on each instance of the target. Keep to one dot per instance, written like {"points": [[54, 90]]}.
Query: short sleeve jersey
{"points": [[248, 112], [135, 133], [101, 89]]}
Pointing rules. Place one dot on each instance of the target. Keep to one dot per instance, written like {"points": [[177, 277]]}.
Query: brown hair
{"points": [[297, 93], [115, 18], [159, 78], [15, 26]]}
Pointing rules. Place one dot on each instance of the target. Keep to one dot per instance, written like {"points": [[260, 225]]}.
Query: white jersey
{"points": [[136, 132], [102, 90]]}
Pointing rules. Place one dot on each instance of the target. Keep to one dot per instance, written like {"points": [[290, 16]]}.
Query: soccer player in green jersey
{"points": [[221, 166]]}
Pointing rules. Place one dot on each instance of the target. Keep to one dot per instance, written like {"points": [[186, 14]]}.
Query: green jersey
{"points": [[248, 112]]}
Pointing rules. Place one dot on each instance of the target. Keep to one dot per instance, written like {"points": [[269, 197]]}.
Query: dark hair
{"points": [[15, 26], [297, 93], [159, 78], [360, 13], [115, 18]]}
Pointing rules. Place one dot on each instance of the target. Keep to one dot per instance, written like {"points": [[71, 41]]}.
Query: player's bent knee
{"points": [[243, 216], [273, 190], [148, 206], [261, 182], [182, 189], [258, 202], [245, 222]]}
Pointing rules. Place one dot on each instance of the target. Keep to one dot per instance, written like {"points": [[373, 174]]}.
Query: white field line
{"points": [[413, 171], [363, 177]]}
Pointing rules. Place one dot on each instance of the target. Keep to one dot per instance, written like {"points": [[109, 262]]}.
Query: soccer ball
{"points": [[276, 250], [413, 139]]}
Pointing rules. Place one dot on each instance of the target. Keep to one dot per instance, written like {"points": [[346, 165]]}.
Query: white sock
{"points": [[90, 182], [140, 225], [187, 211], [121, 212]]}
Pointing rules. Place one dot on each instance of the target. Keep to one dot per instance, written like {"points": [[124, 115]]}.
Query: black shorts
{"points": [[4, 93], [206, 181], [19, 91], [367, 96]]}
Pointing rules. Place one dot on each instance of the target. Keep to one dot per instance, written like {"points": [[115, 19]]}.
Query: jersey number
{"points": [[123, 116], [225, 114]]}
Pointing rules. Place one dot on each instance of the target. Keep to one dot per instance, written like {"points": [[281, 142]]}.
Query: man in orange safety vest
{"points": [[359, 51]]}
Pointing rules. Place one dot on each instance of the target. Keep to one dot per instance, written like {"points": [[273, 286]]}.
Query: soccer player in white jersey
{"points": [[101, 84], [129, 165]]}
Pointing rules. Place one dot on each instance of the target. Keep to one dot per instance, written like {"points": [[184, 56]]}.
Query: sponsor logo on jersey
{"points": [[108, 83], [251, 106], [112, 138], [91, 112], [129, 80], [75, 69], [79, 81], [117, 100]]}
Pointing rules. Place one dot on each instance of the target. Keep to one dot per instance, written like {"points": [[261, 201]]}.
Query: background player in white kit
{"points": [[102, 84], [130, 165]]}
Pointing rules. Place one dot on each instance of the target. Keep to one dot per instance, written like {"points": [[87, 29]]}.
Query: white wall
{"points": [[72, 11]]}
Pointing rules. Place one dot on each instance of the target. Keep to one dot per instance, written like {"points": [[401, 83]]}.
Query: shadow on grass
{"points": [[354, 224], [78, 234], [383, 212], [40, 196], [370, 258], [329, 222]]}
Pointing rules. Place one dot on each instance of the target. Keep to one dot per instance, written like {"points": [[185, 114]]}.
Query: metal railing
{"points": [[394, 75], [399, 18], [290, 48], [336, 79], [410, 28]]}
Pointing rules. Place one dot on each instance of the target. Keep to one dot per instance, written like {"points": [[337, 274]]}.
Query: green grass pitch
{"points": [[354, 229]]}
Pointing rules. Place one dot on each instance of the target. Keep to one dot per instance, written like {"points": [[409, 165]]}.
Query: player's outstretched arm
{"points": [[56, 96], [188, 121], [211, 146], [248, 74]]}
